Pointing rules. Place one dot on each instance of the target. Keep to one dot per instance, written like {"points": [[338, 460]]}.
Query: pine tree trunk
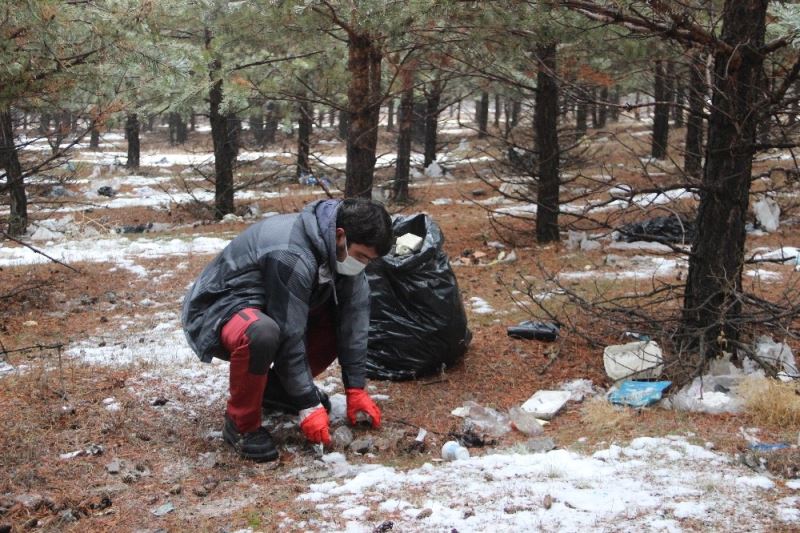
{"points": [[614, 111], [344, 124], [432, 100], [224, 153], [270, 124], [44, 123], [172, 123], [680, 100], [134, 147], [482, 115], [192, 121], [234, 134], [712, 307], [182, 132], [94, 137], [661, 117], [406, 120], [581, 115], [390, 115], [516, 111], [256, 122], [692, 162], [9, 162], [331, 117], [305, 120], [546, 131], [602, 113], [593, 106], [497, 111], [364, 67]]}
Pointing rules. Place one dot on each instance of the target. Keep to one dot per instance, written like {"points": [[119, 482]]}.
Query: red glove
{"points": [[359, 401], [315, 427]]}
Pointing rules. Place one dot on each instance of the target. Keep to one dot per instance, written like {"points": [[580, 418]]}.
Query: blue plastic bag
{"points": [[638, 393]]}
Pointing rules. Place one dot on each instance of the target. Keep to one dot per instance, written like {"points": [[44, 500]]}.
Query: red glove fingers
{"points": [[315, 427], [359, 401]]}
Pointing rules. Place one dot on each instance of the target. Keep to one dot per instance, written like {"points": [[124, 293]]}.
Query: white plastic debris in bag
{"points": [[778, 354], [768, 213], [640, 360], [407, 244]]}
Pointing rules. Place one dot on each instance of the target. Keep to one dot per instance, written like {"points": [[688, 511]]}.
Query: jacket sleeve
{"points": [[353, 331], [289, 278]]}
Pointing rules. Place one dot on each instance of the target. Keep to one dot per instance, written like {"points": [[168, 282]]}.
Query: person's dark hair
{"points": [[365, 222]]}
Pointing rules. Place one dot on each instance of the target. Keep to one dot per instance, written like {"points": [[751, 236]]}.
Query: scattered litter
{"points": [[484, 418], [545, 404], [452, 450], [767, 212], [5, 367], [137, 228], [342, 437], [525, 422], [638, 393], [768, 447], [30, 323], [779, 355], [442, 201], [496, 244], [533, 329], [92, 449], [106, 191], [668, 229], [111, 404], [164, 509], [635, 336], [231, 218], [362, 446], [707, 394], [421, 434], [579, 240], [407, 244], [114, 467], [504, 257], [579, 389], [641, 359]]}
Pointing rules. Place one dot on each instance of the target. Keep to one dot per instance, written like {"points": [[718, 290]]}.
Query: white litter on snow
{"points": [[764, 275], [786, 254], [121, 250], [637, 267], [545, 404], [481, 306], [434, 170], [768, 213], [111, 404], [442, 201], [649, 485]]}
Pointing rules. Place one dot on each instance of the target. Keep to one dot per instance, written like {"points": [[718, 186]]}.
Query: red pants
{"points": [[252, 340]]}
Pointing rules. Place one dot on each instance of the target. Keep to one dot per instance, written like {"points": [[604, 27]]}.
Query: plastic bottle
{"points": [[452, 451]]}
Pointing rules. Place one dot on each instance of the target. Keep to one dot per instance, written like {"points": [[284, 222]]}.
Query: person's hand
{"points": [[314, 425], [358, 401]]}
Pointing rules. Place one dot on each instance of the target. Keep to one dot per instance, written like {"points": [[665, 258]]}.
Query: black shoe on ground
{"points": [[256, 445], [276, 399]]}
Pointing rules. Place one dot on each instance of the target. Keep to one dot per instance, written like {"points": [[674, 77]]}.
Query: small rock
{"points": [[388, 525], [200, 492], [164, 509], [425, 513], [342, 437], [207, 460], [361, 445], [468, 513], [30, 323], [158, 402], [540, 444], [547, 502], [29, 501], [479, 192], [68, 515], [175, 489], [106, 191]]}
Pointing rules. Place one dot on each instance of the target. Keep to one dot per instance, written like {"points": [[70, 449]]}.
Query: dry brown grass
{"points": [[772, 402], [599, 416]]}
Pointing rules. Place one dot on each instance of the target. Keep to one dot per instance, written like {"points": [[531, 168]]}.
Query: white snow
{"points": [[649, 485], [481, 306]]}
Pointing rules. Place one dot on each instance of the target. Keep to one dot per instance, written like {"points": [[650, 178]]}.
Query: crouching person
{"points": [[283, 300]]}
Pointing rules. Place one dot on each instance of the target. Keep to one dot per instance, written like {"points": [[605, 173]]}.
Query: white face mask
{"points": [[350, 266]]}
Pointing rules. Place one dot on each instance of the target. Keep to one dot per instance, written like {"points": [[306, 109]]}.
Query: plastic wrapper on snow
{"points": [[639, 360], [779, 355], [417, 318], [708, 394], [768, 213]]}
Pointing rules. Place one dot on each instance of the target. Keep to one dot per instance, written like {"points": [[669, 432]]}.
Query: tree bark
{"points": [[134, 146], [581, 114], [344, 123], [9, 162], [712, 308], [390, 115], [546, 126], [693, 158], [270, 123], [94, 137], [593, 106], [405, 124], [364, 100], [256, 122], [497, 111], [614, 111], [482, 115], [224, 153], [661, 116], [602, 112], [234, 134], [305, 123], [680, 100], [516, 111], [432, 100]]}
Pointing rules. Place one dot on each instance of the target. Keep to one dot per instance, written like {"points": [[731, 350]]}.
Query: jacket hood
{"points": [[319, 220]]}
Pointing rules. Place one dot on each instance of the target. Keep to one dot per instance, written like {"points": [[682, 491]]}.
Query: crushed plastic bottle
{"points": [[533, 329], [487, 419]]}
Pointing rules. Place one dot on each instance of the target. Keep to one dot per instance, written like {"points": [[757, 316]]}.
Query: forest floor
{"points": [[110, 423]]}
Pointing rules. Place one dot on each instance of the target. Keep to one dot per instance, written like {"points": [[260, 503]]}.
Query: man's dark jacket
{"points": [[285, 266]]}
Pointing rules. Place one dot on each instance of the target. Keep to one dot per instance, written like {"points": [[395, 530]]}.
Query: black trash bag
{"points": [[668, 229], [417, 319]]}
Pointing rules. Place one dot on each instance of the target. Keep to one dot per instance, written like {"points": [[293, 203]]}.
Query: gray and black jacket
{"points": [[284, 265]]}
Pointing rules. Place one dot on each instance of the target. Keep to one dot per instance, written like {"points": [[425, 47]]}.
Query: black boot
{"points": [[256, 445], [276, 399]]}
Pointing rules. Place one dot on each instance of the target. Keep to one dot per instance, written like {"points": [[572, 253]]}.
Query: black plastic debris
{"points": [[533, 329], [106, 190], [135, 228], [668, 229], [417, 319]]}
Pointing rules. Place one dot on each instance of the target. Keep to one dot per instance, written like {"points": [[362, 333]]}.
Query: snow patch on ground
{"points": [[649, 485]]}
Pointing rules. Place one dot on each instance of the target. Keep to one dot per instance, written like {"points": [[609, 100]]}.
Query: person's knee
{"points": [[264, 338]]}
